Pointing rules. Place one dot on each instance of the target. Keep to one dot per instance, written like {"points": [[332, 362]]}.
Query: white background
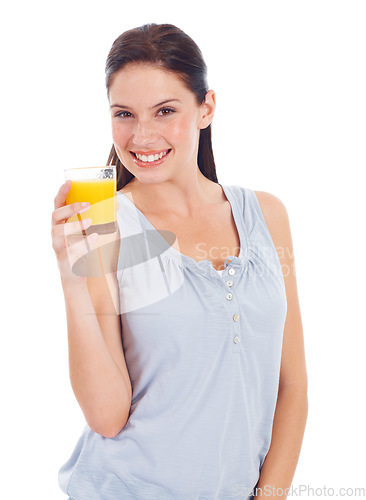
{"points": [[290, 83]]}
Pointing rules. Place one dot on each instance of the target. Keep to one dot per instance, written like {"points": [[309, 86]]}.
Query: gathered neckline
{"points": [[185, 260]]}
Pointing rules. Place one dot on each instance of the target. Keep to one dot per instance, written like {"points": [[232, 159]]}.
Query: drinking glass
{"points": [[97, 185]]}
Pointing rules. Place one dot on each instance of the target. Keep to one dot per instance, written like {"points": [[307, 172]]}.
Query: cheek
{"points": [[119, 133], [181, 131]]}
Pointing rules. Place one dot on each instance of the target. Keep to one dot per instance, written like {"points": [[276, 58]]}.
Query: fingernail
{"points": [[85, 204]]}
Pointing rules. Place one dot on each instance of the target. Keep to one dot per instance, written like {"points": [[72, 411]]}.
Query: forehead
{"points": [[147, 81]]}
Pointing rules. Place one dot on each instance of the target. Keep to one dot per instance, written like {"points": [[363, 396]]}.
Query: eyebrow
{"points": [[152, 107]]}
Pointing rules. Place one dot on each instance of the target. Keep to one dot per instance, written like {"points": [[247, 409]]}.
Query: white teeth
{"points": [[150, 157]]}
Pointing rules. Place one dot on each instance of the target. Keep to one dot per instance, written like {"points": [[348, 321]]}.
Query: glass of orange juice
{"points": [[97, 185]]}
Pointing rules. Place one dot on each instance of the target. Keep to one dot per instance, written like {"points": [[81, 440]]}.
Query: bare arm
{"points": [[292, 404], [98, 371]]}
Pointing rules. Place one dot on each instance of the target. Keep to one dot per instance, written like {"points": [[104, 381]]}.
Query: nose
{"points": [[144, 133]]}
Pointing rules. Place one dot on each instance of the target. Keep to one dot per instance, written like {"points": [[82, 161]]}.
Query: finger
{"points": [[61, 214], [60, 198], [69, 228]]}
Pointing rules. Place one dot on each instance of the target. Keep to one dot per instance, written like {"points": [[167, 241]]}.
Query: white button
{"points": [[229, 296], [236, 339], [231, 271], [236, 317], [229, 283]]}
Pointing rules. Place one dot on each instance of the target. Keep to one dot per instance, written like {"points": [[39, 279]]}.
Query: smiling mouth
{"points": [[150, 157]]}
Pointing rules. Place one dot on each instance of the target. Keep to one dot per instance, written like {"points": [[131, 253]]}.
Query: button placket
{"points": [[231, 272], [235, 317]]}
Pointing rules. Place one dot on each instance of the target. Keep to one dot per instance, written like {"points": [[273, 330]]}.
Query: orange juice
{"points": [[101, 194]]}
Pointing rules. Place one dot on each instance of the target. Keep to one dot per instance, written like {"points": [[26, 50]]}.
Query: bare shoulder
{"points": [[276, 216], [272, 207]]}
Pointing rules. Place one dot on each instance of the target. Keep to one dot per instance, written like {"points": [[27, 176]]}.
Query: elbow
{"points": [[111, 428], [110, 432]]}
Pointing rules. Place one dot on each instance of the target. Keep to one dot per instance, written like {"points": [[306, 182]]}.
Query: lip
{"points": [[147, 153], [150, 164]]}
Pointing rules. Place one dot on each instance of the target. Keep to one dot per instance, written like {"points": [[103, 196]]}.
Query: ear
{"points": [[207, 109]]}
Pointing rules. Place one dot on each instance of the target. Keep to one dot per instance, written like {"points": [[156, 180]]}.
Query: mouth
{"points": [[150, 158]]}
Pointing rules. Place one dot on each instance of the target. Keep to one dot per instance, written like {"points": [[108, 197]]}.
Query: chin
{"points": [[149, 179]]}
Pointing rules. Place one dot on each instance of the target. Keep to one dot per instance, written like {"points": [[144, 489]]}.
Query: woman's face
{"points": [[156, 122]]}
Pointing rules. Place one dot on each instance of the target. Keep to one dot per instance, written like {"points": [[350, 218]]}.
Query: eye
{"points": [[166, 111], [161, 112], [123, 114]]}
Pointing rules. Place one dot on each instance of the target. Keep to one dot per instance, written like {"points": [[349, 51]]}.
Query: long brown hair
{"points": [[170, 48]]}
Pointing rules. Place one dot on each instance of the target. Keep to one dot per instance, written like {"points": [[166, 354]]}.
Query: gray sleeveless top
{"points": [[203, 351]]}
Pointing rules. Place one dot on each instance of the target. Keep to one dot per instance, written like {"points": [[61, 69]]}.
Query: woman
{"points": [[191, 371]]}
